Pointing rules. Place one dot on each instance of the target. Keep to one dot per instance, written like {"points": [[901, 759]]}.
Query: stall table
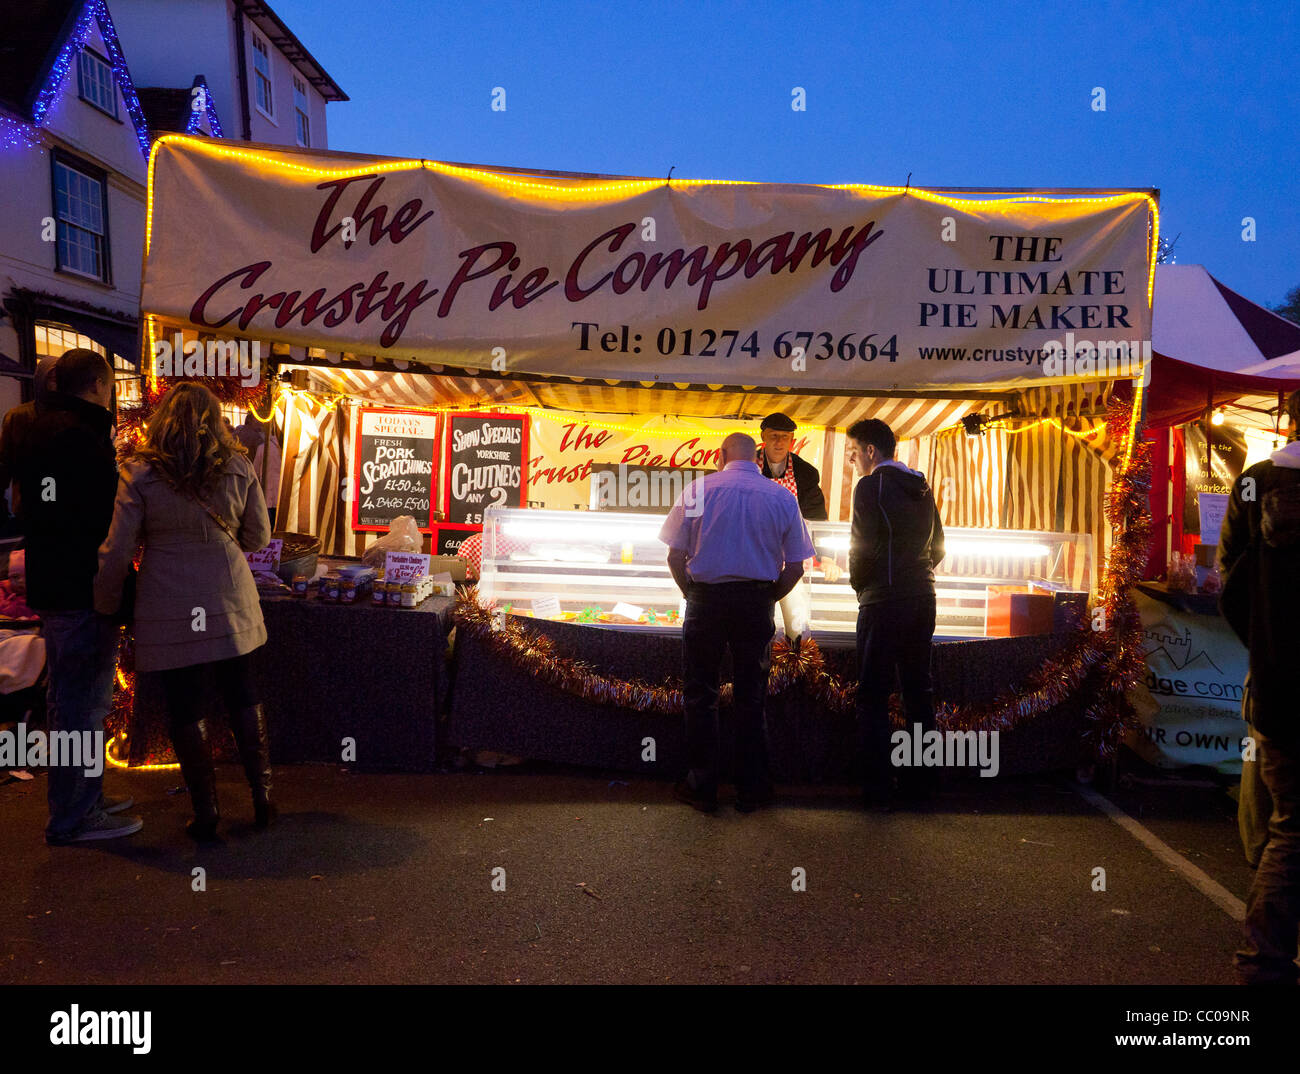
{"points": [[333, 671], [496, 706]]}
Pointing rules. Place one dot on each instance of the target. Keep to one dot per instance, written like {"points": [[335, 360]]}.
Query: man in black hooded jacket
{"points": [[1259, 556], [895, 544]]}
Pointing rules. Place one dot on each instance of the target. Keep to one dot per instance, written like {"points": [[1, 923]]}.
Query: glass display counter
{"points": [[611, 570], [975, 560]]}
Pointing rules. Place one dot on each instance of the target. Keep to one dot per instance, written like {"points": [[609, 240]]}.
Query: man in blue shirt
{"points": [[737, 544]]}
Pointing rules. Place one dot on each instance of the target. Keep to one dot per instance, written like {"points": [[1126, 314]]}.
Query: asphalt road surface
{"points": [[390, 879]]}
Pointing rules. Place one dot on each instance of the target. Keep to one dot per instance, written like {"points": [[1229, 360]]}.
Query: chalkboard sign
{"points": [[449, 541], [485, 465], [396, 468]]}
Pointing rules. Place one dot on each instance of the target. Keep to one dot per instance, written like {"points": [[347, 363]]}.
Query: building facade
{"points": [[85, 87]]}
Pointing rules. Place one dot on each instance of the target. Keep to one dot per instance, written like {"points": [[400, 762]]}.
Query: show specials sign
{"points": [[485, 468], [1196, 669], [394, 469], [756, 284]]}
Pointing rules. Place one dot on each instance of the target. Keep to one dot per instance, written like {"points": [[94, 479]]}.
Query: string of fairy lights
{"points": [[558, 190]]}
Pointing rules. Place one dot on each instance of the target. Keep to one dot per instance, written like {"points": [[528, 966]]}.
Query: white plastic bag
{"points": [[403, 536]]}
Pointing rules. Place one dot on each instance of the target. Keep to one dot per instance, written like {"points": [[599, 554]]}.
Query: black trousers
{"points": [[1273, 905], [184, 688], [894, 640], [739, 616]]}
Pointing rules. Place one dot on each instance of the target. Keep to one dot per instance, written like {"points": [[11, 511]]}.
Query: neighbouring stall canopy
{"points": [[1215, 346]]}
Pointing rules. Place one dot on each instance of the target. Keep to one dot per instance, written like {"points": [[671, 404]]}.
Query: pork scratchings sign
{"points": [[395, 469], [763, 284]]}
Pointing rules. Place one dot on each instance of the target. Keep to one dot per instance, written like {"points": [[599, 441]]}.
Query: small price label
{"points": [[546, 608], [629, 611], [266, 559], [405, 566]]}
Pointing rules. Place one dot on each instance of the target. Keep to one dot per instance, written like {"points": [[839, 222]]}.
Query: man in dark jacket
{"points": [[895, 544], [67, 477], [18, 424], [1259, 556], [777, 461]]}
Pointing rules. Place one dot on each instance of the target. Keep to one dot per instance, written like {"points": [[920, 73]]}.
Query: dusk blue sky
{"points": [[1203, 101]]}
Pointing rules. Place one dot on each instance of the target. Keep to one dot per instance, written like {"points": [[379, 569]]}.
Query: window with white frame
{"points": [[81, 213], [301, 111], [95, 82], [262, 75], [55, 339]]}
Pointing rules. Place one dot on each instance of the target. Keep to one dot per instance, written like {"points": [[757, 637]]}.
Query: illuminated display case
{"points": [[593, 561], [975, 560], [590, 561]]}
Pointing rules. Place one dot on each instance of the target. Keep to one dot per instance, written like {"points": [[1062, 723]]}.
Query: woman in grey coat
{"points": [[188, 494]]}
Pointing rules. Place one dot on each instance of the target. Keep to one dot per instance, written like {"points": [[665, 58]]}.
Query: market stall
{"points": [[487, 339], [1222, 368]]}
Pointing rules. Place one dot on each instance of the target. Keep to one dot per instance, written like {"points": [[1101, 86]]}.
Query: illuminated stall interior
{"points": [[1020, 478]]}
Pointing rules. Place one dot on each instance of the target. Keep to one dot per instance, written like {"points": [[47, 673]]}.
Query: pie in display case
{"points": [[610, 569]]}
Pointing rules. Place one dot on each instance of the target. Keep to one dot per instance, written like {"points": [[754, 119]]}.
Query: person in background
{"points": [[736, 546], [895, 544], [777, 460], [17, 426], [190, 496], [252, 434], [1259, 559], [66, 474]]}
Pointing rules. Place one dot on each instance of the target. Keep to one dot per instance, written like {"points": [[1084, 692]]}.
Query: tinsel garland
{"points": [[226, 389], [1108, 660]]}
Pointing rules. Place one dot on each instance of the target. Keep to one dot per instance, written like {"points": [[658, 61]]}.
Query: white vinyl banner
{"points": [[1196, 668], [757, 284]]}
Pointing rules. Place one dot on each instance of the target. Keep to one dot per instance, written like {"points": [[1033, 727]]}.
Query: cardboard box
{"points": [[453, 565], [1014, 611], [1069, 606]]}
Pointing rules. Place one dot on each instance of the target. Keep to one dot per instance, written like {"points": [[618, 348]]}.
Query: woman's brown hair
{"points": [[186, 440]]}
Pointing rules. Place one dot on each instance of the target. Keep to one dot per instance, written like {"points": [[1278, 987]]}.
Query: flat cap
{"points": [[778, 421]]}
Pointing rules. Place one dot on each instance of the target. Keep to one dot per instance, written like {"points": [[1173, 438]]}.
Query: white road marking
{"points": [[1210, 888]]}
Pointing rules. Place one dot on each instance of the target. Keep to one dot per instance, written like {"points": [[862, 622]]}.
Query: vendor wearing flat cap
{"points": [[783, 466]]}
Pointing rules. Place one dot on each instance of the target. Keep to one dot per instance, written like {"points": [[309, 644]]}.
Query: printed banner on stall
{"points": [[566, 448], [690, 282], [1196, 670]]}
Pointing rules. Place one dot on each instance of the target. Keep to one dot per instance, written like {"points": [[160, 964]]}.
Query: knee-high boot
{"points": [[194, 753], [249, 727]]}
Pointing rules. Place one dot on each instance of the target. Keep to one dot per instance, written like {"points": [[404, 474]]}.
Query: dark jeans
{"points": [[80, 658], [894, 640], [740, 616], [185, 688], [1273, 905]]}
